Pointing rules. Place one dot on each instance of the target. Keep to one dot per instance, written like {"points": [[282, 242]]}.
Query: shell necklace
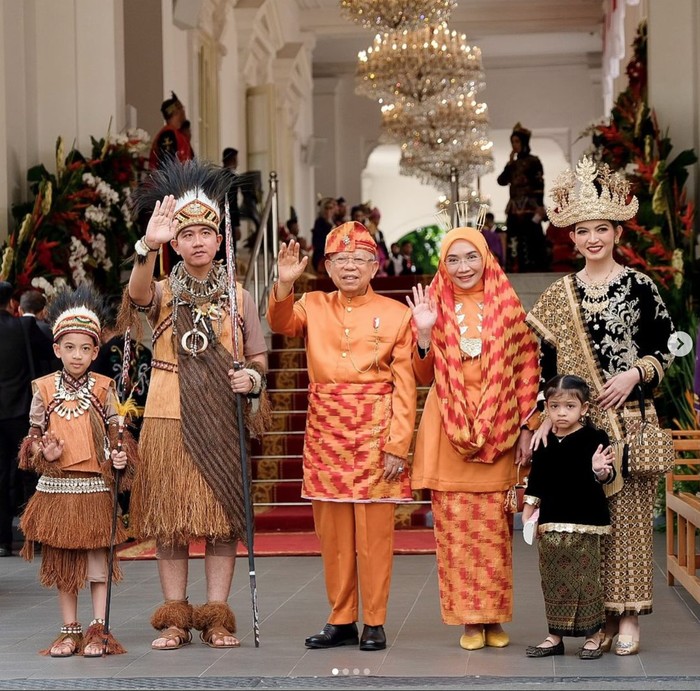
{"points": [[595, 295], [470, 346], [73, 396]]}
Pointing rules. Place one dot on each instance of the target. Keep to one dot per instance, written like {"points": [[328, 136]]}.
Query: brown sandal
{"points": [[173, 633], [218, 632], [70, 634]]}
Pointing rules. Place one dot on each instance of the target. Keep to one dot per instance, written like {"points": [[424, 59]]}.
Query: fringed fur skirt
{"points": [[170, 499], [67, 526]]}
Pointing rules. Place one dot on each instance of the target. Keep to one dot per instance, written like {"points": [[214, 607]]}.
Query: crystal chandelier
{"points": [[390, 15], [436, 166], [449, 120], [420, 67]]}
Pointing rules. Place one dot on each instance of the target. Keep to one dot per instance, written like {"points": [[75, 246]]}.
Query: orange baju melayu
{"points": [[470, 470], [362, 404]]}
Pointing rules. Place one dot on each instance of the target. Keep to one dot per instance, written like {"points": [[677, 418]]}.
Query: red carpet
{"points": [[284, 543]]}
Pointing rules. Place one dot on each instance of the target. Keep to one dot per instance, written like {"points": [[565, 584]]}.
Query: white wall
{"points": [[556, 101]]}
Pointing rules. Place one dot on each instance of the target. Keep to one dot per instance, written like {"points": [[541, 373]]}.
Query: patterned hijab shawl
{"points": [[509, 360]]}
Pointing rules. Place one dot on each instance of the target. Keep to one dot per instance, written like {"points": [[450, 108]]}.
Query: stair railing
{"points": [[261, 246]]}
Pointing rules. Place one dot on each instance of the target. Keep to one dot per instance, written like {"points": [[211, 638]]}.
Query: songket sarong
{"points": [[570, 572], [474, 537]]}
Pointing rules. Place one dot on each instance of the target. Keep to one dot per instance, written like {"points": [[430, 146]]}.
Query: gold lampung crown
{"points": [[612, 204]]}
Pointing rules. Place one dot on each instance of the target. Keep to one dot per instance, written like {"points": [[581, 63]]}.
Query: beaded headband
{"points": [[610, 205], [195, 208], [77, 320]]}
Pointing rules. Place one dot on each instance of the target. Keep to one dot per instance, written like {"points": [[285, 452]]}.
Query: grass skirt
{"points": [[170, 500]]}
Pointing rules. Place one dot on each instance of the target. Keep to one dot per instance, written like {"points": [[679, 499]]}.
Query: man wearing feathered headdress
{"points": [[190, 482]]}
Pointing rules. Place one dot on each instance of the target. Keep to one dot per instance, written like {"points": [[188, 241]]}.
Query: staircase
{"points": [[277, 457]]}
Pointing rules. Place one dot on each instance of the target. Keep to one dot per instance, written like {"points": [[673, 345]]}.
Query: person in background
{"points": [[186, 129], [493, 238], [170, 141], [22, 350], [394, 265], [608, 325], [476, 353], [341, 213], [372, 226], [322, 226], [362, 407], [527, 247], [565, 484], [32, 305]]}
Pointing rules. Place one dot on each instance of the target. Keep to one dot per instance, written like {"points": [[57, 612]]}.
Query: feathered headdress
{"points": [[610, 205], [199, 188], [77, 311]]}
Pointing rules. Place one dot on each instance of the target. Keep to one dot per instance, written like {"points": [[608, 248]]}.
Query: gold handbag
{"points": [[648, 449]]}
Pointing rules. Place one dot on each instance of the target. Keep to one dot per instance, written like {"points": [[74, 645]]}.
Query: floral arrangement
{"points": [[79, 226], [661, 240]]}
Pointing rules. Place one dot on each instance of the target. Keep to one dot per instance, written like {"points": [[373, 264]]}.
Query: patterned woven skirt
{"points": [[474, 539], [628, 552], [570, 572]]}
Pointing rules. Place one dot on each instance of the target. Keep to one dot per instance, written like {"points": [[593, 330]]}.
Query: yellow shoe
{"points": [[626, 645], [473, 641], [497, 639]]}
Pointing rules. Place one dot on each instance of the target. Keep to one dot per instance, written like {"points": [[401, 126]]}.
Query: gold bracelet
{"points": [[647, 368]]}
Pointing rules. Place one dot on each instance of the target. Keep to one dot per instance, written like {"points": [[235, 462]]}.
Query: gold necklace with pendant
{"points": [[470, 346], [595, 295]]}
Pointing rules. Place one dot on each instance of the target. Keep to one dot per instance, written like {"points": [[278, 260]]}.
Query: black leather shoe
{"points": [[333, 635], [5, 551], [373, 638]]}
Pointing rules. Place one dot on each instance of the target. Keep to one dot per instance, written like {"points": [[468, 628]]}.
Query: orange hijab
{"points": [[509, 360]]}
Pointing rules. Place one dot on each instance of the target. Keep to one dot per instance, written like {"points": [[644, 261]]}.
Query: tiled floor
{"points": [[422, 651]]}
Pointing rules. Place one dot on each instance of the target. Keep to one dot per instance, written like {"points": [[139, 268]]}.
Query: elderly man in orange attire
{"points": [[361, 415]]}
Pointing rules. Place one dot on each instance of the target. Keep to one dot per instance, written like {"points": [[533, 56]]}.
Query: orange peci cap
{"points": [[349, 237]]}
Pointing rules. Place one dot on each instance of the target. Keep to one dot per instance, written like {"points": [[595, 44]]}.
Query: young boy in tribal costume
{"points": [[362, 409], [72, 445], [190, 483]]}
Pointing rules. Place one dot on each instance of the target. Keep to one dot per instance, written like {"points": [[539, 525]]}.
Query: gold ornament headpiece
{"points": [[611, 204], [195, 208]]}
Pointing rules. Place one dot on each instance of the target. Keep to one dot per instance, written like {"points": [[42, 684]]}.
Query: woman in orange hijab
{"points": [[482, 360]]}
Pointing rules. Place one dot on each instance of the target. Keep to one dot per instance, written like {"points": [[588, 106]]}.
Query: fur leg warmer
{"points": [[214, 614], [178, 613]]}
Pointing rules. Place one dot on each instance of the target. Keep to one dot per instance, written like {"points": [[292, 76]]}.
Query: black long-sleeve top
{"points": [[571, 498]]}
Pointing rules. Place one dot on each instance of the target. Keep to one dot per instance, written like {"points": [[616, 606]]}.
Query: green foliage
{"points": [[660, 241], [426, 247], [79, 225]]}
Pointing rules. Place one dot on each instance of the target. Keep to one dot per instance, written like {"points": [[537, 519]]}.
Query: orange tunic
{"points": [[363, 340], [436, 463]]}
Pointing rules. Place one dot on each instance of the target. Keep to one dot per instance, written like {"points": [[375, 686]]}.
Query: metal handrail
{"points": [[261, 244]]}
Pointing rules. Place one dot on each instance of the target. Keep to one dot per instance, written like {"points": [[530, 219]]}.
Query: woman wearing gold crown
{"points": [[608, 324], [474, 348], [189, 484]]}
